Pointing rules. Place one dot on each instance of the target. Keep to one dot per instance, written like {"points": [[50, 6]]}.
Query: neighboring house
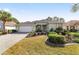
{"points": [[44, 25], [10, 25], [1, 25], [71, 24]]}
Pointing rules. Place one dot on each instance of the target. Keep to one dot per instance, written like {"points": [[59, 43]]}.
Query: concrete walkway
{"points": [[6, 41]]}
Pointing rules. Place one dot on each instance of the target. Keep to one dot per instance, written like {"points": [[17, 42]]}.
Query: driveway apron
{"points": [[6, 41]]}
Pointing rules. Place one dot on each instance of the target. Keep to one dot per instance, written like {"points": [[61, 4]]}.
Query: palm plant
{"points": [[14, 20], [6, 16]]}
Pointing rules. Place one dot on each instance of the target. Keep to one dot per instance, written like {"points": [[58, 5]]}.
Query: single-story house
{"points": [[44, 25], [8, 25]]}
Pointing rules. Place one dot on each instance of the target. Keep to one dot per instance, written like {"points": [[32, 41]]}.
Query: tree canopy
{"points": [[6, 16], [75, 7]]}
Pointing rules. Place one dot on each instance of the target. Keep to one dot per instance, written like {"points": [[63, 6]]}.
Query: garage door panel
{"points": [[25, 29]]}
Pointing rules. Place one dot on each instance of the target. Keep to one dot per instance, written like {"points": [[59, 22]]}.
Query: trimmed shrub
{"points": [[75, 34], [56, 39], [73, 30], [76, 40], [1, 33], [13, 31], [51, 30], [0, 30], [52, 33], [38, 30], [9, 31], [4, 33], [59, 30], [31, 34]]}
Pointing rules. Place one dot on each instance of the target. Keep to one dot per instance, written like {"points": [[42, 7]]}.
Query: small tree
{"points": [[75, 7], [59, 30], [51, 30], [73, 30], [6, 16]]}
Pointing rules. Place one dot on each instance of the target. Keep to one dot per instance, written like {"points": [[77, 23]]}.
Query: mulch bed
{"points": [[59, 45]]}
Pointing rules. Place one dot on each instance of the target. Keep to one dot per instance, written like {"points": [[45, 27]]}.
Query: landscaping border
{"points": [[59, 45]]}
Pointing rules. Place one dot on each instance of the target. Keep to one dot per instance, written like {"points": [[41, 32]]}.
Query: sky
{"points": [[37, 11]]}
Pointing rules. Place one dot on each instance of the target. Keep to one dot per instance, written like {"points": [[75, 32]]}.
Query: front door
{"points": [[44, 28], [38, 28]]}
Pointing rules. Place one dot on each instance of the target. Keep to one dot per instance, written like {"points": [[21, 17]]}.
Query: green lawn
{"points": [[36, 46]]}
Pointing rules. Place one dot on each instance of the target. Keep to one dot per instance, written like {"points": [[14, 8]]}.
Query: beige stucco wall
{"points": [[50, 22], [54, 25]]}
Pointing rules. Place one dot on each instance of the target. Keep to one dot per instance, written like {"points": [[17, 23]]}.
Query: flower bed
{"points": [[60, 40]]}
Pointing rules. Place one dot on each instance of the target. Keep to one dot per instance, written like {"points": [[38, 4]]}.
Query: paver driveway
{"points": [[6, 41]]}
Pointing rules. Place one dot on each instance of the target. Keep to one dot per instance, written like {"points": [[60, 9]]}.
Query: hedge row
{"points": [[75, 34], [56, 39]]}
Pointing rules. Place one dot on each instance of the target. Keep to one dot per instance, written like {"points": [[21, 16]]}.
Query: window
{"points": [[56, 18]]}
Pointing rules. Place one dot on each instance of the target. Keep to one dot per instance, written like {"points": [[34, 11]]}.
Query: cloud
{"points": [[6, 9]]}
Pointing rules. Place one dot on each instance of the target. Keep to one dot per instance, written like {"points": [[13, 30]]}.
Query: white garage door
{"points": [[25, 28]]}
